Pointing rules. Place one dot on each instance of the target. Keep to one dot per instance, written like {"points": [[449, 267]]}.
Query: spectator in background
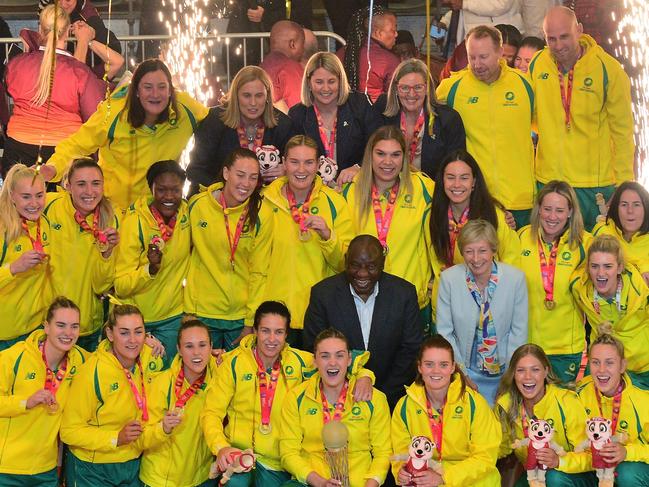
{"points": [[283, 63], [533, 13], [529, 47], [511, 42], [404, 46], [310, 46]]}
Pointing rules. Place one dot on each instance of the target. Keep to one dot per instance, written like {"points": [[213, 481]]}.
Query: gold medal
{"points": [[53, 408], [265, 429], [158, 242], [102, 246], [178, 411], [549, 304], [304, 236]]}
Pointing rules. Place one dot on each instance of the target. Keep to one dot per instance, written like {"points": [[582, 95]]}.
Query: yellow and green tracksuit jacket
{"points": [[368, 424], [498, 122], [630, 324], [562, 409], [214, 289], [160, 296], [79, 271], [25, 296], [29, 437], [103, 404], [471, 434], [183, 461], [634, 415], [407, 256], [126, 153], [560, 330], [598, 149], [636, 251], [295, 266]]}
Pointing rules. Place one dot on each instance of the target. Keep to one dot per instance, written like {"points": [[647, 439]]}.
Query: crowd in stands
{"points": [[362, 246]]}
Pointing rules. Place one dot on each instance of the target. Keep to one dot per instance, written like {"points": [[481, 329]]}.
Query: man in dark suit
{"points": [[375, 310]]}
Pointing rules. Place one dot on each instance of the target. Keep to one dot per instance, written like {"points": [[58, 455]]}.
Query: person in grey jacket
{"points": [[482, 308]]}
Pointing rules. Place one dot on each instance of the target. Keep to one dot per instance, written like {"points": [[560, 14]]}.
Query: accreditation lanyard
{"points": [[182, 398], [548, 269], [339, 406], [416, 134], [329, 144], [454, 230], [99, 236], [299, 216], [140, 398], [245, 142], [566, 93], [436, 422], [383, 220], [37, 243], [53, 380], [166, 230], [617, 401], [618, 297], [267, 387], [233, 242]]}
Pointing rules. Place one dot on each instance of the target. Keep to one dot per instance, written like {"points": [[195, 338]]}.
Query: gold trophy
{"points": [[334, 437]]}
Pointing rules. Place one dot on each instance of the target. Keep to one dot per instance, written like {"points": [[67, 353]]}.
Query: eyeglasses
{"points": [[405, 89]]}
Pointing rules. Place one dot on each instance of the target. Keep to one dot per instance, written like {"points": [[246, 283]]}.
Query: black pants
{"points": [[20, 153]]}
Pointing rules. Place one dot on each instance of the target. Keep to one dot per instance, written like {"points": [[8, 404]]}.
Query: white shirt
{"points": [[365, 310]]}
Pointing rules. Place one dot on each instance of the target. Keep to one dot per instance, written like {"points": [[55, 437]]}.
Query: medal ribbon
{"points": [[339, 406], [329, 145], [436, 422], [416, 134], [298, 216], [245, 143], [267, 387], [166, 231], [99, 236], [383, 220], [181, 399], [618, 297], [566, 93], [548, 268], [617, 401], [233, 242], [53, 380], [140, 399], [37, 243], [524, 422], [454, 229]]}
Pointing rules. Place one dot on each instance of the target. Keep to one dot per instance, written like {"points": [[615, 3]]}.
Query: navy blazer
{"points": [[354, 125], [448, 134]]}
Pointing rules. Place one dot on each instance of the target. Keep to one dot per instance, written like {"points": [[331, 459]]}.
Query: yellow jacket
{"points": [[631, 327], [185, 460], [368, 424], [234, 393], [560, 330], [636, 251], [103, 404], [161, 296], [25, 296], [295, 266], [562, 409], [29, 437], [471, 434], [498, 121], [634, 415], [598, 149], [214, 289], [408, 255], [126, 153], [86, 275]]}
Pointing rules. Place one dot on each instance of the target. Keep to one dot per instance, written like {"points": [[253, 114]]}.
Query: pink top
{"points": [[286, 75]]}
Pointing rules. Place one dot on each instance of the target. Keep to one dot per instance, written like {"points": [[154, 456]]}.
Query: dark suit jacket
{"points": [[395, 335]]}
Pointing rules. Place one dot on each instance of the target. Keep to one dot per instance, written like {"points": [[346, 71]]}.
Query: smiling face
{"points": [[478, 257], [631, 212], [606, 368], [604, 271], [562, 36], [301, 167], [241, 179], [387, 162], [529, 376], [509, 53], [363, 267], [324, 86], [458, 182], [411, 90], [195, 350], [484, 58], [28, 198], [127, 338], [332, 359], [554, 213], [167, 192], [154, 92], [524, 57], [86, 188], [271, 337], [63, 329], [436, 369], [252, 98]]}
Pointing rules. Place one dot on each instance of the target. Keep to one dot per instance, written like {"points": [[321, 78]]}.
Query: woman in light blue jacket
{"points": [[482, 308]]}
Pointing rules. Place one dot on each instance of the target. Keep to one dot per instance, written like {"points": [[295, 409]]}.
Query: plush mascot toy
{"points": [[328, 170], [419, 457], [539, 435], [268, 156], [242, 462], [600, 433]]}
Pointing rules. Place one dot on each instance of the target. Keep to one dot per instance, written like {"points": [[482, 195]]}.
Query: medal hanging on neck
{"points": [[329, 144], [615, 409], [384, 220], [566, 93], [299, 214], [233, 242], [53, 380], [454, 230], [140, 397], [338, 407], [436, 422], [183, 397], [251, 142], [618, 297], [267, 388], [416, 134], [548, 269], [100, 237], [166, 230], [37, 243]]}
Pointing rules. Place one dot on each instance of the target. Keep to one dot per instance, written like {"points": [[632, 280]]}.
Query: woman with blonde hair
{"points": [[608, 290], [24, 259], [340, 121], [553, 246], [391, 202], [247, 119], [431, 129], [53, 94]]}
